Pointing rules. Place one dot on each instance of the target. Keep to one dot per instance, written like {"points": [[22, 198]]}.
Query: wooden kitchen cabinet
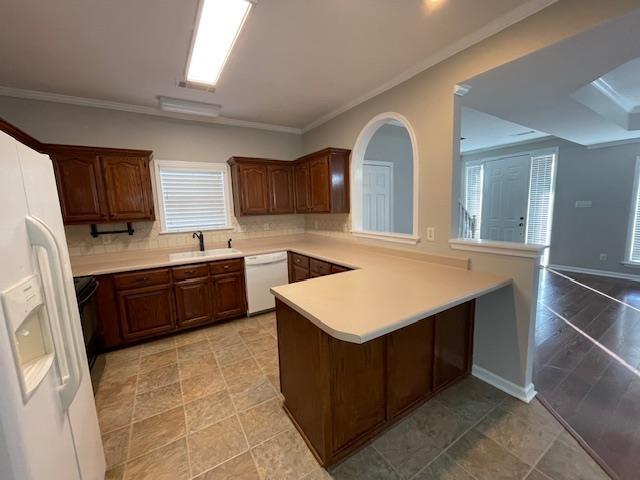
{"points": [[328, 183], [262, 186], [315, 183], [302, 187], [302, 267], [229, 299], [342, 394], [99, 185], [146, 311], [144, 304], [193, 302], [282, 199], [453, 344], [128, 188]]}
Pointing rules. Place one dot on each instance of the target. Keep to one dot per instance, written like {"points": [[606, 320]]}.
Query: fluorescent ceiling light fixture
{"points": [[219, 24], [187, 107]]}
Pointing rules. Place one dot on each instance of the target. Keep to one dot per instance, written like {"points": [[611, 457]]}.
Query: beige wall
{"points": [[427, 101], [170, 140]]}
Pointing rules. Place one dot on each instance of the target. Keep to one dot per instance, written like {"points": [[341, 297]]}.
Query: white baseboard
{"points": [[592, 271], [526, 394]]}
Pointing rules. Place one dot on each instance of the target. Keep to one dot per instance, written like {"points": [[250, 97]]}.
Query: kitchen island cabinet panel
{"points": [[340, 394], [453, 344], [410, 365]]}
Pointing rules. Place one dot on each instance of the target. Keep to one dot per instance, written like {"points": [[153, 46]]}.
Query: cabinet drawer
{"points": [[142, 279], [227, 266], [319, 268], [190, 271], [300, 260]]}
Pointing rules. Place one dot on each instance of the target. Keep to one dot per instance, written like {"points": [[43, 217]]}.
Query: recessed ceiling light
{"points": [[218, 25], [187, 107]]}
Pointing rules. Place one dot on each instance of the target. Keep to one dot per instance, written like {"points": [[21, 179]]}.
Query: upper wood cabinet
{"points": [[79, 179], [128, 187], [282, 198], [317, 183], [261, 186], [302, 187], [97, 185], [328, 180]]}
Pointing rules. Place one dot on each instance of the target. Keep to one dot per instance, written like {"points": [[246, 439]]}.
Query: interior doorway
{"points": [[378, 199]]}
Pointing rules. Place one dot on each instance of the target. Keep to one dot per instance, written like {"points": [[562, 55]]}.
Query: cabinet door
{"points": [[229, 297], [281, 189], [453, 344], [128, 188], [319, 184], [146, 311], [409, 366], [302, 187], [80, 188], [193, 301], [254, 189]]}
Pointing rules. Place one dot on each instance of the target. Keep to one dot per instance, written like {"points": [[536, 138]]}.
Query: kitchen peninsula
{"points": [[359, 349]]}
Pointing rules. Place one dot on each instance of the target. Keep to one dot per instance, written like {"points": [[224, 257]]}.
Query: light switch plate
{"points": [[584, 203]]}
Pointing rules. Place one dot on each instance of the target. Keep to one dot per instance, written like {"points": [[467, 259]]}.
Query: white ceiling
{"points": [[546, 89], [482, 131], [626, 81], [295, 62]]}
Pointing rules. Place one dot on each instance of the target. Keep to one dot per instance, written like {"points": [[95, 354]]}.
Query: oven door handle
{"points": [[86, 298]]}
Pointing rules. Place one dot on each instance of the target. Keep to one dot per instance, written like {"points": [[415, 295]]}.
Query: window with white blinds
{"points": [[192, 196], [473, 196], [633, 242], [540, 199]]}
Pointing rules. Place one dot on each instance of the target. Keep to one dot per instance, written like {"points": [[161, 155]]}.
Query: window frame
{"points": [[633, 217], [207, 166]]}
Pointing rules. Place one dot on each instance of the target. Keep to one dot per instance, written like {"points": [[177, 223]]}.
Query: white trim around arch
{"points": [[357, 159]]}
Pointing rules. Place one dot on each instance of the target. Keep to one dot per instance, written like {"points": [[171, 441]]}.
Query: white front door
{"points": [[377, 192], [505, 198]]}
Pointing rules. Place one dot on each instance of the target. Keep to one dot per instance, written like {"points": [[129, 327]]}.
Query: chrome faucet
{"points": [[200, 237], [229, 243]]}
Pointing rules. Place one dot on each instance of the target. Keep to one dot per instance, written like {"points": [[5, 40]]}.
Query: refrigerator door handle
{"points": [[64, 339]]}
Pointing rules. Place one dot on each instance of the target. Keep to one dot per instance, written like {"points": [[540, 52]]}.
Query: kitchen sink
{"points": [[207, 254]]}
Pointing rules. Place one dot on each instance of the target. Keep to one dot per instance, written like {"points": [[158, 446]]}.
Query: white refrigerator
{"points": [[48, 423]]}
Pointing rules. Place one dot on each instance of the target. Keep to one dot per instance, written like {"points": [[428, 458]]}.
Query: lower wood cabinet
{"points": [[342, 394], [139, 305], [193, 302], [229, 296], [302, 267], [146, 311]]}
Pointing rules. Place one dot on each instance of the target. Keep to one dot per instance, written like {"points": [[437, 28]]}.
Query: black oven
{"points": [[86, 288]]}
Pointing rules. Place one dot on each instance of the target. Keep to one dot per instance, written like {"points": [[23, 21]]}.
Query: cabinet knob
{"points": [[226, 267], [142, 279], [189, 272]]}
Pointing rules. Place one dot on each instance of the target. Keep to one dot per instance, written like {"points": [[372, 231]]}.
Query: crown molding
{"points": [[510, 18], [141, 109]]}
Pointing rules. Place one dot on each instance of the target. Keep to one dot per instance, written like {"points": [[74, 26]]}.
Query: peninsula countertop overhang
{"points": [[387, 294]]}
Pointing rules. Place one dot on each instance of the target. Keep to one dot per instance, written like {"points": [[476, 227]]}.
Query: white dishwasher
{"points": [[262, 273]]}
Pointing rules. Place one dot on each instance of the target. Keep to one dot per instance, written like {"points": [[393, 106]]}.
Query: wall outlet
{"points": [[431, 234], [603, 257]]}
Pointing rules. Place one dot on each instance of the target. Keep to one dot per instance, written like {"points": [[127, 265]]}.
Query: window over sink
{"points": [[192, 196]]}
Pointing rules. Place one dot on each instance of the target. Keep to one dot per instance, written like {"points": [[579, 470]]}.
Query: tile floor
{"points": [[205, 405]]}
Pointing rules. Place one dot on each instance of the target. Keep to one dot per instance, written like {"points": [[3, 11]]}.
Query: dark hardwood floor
{"points": [[587, 361]]}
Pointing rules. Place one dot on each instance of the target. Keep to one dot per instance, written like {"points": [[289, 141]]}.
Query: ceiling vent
{"points": [[188, 107]]}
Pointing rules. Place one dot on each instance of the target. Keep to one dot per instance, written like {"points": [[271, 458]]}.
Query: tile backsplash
{"points": [[147, 235]]}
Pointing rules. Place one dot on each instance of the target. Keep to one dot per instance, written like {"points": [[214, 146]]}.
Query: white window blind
{"points": [[634, 229], [540, 199], [473, 195], [193, 197]]}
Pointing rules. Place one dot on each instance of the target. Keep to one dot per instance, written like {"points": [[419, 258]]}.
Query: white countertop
{"points": [[388, 290]]}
